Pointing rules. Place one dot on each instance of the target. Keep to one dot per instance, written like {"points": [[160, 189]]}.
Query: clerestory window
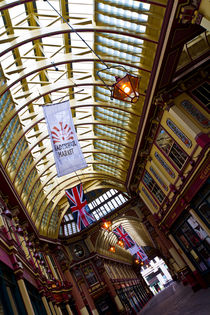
{"points": [[153, 187]]}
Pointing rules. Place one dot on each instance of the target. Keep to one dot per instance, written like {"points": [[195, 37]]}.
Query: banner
{"points": [[67, 152], [79, 207]]}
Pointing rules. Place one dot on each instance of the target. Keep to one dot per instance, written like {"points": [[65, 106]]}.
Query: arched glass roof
{"points": [[43, 61]]}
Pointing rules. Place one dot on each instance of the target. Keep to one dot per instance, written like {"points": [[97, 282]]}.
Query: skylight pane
{"points": [[118, 200], [110, 205], [114, 203]]}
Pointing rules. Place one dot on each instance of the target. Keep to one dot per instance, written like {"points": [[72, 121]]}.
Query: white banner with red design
{"points": [[66, 148]]}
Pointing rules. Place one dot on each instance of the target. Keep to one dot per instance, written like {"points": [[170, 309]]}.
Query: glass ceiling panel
{"points": [[43, 61]]}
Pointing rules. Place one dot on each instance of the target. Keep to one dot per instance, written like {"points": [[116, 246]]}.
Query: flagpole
{"points": [[78, 177]]}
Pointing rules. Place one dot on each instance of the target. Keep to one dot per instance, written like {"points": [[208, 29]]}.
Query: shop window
{"points": [[201, 203], [195, 243], [149, 197], [153, 187], [35, 298], [158, 178], [105, 305], [202, 93], [10, 299], [204, 209], [198, 230], [90, 275], [167, 144]]}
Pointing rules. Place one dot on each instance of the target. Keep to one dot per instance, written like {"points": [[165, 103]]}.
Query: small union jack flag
{"points": [[141, 254], [124, 236], [79, 207]]}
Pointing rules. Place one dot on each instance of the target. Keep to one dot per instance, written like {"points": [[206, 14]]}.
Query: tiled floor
{"points": [[179, 300]]}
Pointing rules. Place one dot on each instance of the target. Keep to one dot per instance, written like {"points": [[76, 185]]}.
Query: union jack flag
{"points": [[141, 254], [79, 207], [124, 236]]}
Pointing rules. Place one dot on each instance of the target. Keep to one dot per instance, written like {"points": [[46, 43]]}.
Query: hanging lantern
{"points": [[121, 243], [112, 249], [136, 261], [126, 89]]}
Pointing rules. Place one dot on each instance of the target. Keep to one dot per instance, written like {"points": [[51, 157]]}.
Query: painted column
{"points": [[198, 219], [51, 267], [69, 309], [112, 291], [25, 297], [44, 300], [88, 298], [58, 310], [76, 294], [52, 308], [177, 257], [188, 262]]}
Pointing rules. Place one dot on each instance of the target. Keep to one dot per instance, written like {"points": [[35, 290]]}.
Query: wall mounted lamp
{"points": [[112, 248], [121, 243]]}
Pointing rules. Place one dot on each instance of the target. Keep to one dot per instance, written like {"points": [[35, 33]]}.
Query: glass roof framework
{"points": [[43, 61], [99, 207]]}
